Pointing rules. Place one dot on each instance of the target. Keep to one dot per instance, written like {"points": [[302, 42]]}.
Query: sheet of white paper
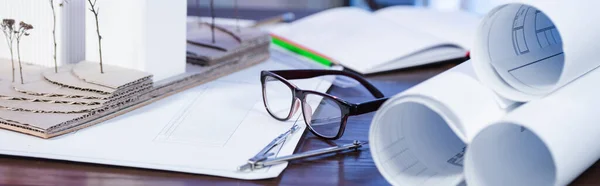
{"points": [[419, 136], [549, 141], [525, 51], [356, 38], [210, 129], [454, 26]]}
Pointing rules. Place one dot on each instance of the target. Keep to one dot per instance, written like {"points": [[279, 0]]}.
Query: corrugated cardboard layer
{"points": [[7, 92], [42, 121], [40, 107], [47, 89], [66, 78], [113, 77], [229, 40]]}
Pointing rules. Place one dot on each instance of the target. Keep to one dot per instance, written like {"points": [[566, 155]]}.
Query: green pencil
{"points": [[303, 51]]}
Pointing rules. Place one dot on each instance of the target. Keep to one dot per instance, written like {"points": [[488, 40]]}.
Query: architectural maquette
{"points": [[66, 88]]}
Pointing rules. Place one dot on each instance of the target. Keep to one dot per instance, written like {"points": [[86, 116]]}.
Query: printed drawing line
{"points": [[538, 37], [514, 33], [392, 144], [421, 171], [535, 61], [553, 38], [410, 166], [178, 123], [458, 158], [514, 41], [544, 29], [548, 39], [169, 125], [523, 30], [520, 18], [397, 154]]}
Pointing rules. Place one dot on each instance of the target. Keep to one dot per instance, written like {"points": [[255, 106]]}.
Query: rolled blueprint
{"points": [[419, 136], [544, 142], [530, 48]]}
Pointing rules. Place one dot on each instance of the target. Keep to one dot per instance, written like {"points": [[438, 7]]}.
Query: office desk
{"points": [[353, 168]]}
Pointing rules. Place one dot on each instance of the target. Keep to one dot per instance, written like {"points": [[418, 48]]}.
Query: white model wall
{"points": [[148, 35], [38, 48]]}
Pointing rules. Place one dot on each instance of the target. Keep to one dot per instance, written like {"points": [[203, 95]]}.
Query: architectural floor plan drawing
{"points": [[198, 125], [210, 129]]}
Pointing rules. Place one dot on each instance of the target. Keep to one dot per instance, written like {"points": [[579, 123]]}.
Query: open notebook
{"points": [[388, 39]]}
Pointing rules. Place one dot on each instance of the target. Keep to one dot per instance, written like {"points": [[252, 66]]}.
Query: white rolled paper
{"points": [[419, 136], [530, 48], [545, 142]]}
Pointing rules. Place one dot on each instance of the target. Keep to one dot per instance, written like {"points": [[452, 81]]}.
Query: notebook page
{"points": [[356, 38], [456, 27]]}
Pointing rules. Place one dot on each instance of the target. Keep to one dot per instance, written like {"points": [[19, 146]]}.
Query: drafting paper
{"points": [[549, 141], [210, 129], [418, 137], [526, 50]]}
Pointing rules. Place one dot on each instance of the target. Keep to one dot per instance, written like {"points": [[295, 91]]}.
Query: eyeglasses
{"points": [[282, 99]]}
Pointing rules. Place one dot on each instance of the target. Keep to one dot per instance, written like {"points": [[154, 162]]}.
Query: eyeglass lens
{"points": [[325, 121], [278, 97]]}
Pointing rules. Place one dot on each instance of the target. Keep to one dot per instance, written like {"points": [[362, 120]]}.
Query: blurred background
{"points": [[475, 6]]}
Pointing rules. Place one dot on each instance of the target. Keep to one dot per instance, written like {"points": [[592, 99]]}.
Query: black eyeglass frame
{"points": [[347, 108]]}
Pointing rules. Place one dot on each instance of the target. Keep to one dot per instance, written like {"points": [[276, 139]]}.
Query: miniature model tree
{"points": [[54, 30], [8, 28], [212, 15], [22, 31], [237, 16], [95, 10]]}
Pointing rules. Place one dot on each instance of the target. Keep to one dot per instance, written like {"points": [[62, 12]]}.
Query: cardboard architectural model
{"points": [[139, 65]]}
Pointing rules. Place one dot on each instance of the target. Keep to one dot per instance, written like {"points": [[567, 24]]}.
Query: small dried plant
{"points": [[61, 4], [212, 15], [95, 10], [237, 16], [8, 28], [22, 31]]}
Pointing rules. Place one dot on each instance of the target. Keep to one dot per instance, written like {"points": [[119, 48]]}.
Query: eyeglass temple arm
{"points": [[303, 74], [366, 107]]}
